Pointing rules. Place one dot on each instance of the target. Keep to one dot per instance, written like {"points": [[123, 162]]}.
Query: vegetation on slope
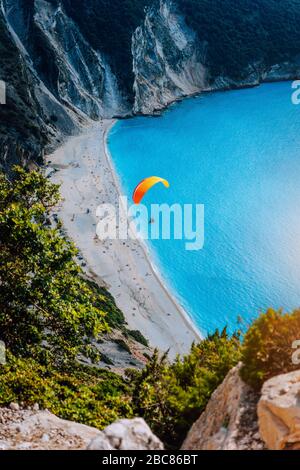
{"points": [[171, 397], [49, 314], [43, 298], [268, 346], [86, 395], [243, 32]]}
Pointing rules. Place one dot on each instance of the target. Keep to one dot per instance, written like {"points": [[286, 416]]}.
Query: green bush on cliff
{"points": [[47, 310], [49, 314], [267, 348], [86, 395], [170, 397]]}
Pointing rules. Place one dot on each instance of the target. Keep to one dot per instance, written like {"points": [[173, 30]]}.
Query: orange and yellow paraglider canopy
{"points": [[144, 186]]}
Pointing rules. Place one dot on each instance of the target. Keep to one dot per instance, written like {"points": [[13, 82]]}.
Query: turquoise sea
{"points": [[238, 153]]}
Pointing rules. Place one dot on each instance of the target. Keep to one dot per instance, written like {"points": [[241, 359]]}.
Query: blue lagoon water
{"points": [[239, 154]]}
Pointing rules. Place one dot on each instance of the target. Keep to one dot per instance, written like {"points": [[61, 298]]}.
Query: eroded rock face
{"points": [[171, 61], [279, 412], [85, 80], [168, 61], [41, 430], [229, 421], [76, 81]]}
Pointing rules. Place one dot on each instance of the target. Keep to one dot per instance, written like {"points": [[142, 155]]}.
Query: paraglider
{"points": [[144, 186]]}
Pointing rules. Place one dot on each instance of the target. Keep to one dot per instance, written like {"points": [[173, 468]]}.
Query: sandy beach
{"points": [[85, 172]]}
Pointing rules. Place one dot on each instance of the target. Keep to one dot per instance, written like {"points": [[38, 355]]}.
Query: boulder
{"points": [[128, 434], [41, 430], [279, 412], [229, 421]]}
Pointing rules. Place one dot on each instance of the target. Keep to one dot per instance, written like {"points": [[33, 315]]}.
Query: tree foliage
{"points": [[268, 346], [43, 299], [171, 397], [243, 32], [85, 395]]}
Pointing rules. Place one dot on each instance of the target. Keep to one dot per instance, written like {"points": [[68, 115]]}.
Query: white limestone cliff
{"points": [[168, 62]]}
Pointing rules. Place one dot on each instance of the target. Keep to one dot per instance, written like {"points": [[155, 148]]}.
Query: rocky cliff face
{"points": [[77, 75], [230, 419], [32, 118], [79, 61], [168, 60], [55, 81], [23, 130], [85, 81], [237, 418]]}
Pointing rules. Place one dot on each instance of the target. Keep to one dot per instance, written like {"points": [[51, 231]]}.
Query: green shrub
{"points": [[170, 397], [122, 344], [105, 302], [43, 298], [137, 336], [267, 347], [85, 395]]}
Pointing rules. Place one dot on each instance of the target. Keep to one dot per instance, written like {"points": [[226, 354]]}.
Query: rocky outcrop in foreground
{"points": [[279, 412], [41, 430], [237, 418], [229, 421]]}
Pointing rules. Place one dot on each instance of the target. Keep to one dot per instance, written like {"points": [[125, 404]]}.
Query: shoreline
{"points": [[84, 169], [143, 244], [206, 91]]}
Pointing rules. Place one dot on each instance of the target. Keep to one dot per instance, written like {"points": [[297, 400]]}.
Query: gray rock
{"points": [[41, 430], [229, 421], [168, 61], [279, 412], [100, 443], [128, 434], [14, 406]]}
